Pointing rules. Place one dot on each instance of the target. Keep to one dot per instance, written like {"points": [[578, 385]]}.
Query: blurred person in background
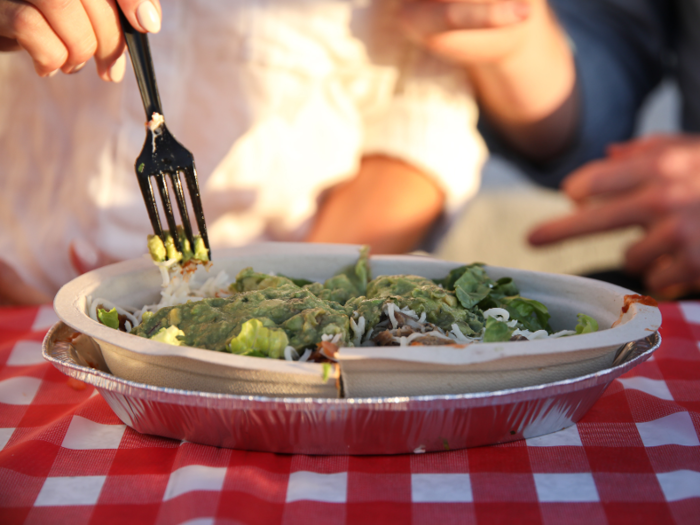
{"points": [[310, 121], [622, 50]]}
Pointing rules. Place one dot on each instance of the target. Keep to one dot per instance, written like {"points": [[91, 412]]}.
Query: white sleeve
{"points": [[430, 123]]}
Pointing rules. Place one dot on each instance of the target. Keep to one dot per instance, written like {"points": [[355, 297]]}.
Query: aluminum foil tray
{"points": [[383, 425]]}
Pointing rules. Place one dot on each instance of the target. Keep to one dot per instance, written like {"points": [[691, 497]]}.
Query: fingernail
{"points": [[116, 72], [148, 17], [86, 253], [52, 74], [78, 68]]}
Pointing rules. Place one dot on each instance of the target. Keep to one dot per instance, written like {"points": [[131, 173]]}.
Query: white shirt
{"points": [[277, 100]]}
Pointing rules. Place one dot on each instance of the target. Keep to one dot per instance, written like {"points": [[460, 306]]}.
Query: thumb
{"points": [[85, 257]]}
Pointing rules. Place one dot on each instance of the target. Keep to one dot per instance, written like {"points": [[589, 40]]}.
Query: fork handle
{"points": [[140, 54]]}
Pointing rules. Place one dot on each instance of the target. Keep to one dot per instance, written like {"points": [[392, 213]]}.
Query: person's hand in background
{"points": [[654, 183], [64, 34], [469, 32], [518, 60]]}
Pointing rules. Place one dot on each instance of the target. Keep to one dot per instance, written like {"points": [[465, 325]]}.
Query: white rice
{"points": [[458, 336], [407, 339], [358, 329], [543, 334], [500, 314], [389, 310], [291, 354], [178, 286], [333, 338], [305, 356]]}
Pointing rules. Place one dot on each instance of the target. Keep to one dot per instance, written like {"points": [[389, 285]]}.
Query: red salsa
{"points": [[642, 299]]}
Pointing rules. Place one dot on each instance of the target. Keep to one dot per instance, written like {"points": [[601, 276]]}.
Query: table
{"points": [[65, 457]]}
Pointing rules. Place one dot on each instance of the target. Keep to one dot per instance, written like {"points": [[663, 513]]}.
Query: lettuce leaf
{"points": [[533, 315], [110, 318], [448, 282], [586, 324], [256, 340], [473, 286], [326, 371], [497, 331]]}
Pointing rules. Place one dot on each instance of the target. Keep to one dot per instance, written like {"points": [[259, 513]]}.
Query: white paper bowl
{"points": [[365, 372]]}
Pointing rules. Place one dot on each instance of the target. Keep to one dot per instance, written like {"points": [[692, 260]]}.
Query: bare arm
{"points": [[530, 95], [389, 205], [518, 59], [14, 291]]}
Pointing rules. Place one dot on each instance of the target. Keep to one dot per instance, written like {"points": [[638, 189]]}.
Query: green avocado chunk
{"points": [[171, 335], [163, 248], [156, 248]]}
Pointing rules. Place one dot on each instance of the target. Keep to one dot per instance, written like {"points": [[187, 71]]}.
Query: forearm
{"points": [[14, 291], [389, 205], [529, 95]]}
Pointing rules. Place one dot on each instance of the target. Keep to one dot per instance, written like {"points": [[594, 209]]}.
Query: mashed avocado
{"points": [[213, 323], [163, 249], [304, 312], [170, 335], [267, 313]]}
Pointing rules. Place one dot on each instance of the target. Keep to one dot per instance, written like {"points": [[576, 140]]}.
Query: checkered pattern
{"points": [[65, 457]]}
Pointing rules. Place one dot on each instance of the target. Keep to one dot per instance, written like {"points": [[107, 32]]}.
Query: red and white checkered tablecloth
{"points": [[65, 457]]}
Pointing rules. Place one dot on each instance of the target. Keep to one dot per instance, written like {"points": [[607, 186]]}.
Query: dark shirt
{"points": [[623, 49]]}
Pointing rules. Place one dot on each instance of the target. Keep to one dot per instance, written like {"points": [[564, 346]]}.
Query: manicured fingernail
{"points": [[53, 73], [148, 17], [78, 68], [116, 72]]}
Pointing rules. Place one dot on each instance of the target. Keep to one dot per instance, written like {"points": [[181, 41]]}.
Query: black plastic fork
{"points": [[162, 156]]}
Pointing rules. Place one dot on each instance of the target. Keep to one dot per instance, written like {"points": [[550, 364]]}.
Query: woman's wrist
{"points": [[530, 94]]}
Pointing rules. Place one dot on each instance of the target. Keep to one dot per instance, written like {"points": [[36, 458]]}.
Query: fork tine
{"points": [[168, 209], [151, 207], [182, 206], [193, 188]]}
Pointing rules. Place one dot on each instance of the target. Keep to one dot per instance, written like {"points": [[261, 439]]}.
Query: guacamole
{"points": [[164, 249], [270, 315]]}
